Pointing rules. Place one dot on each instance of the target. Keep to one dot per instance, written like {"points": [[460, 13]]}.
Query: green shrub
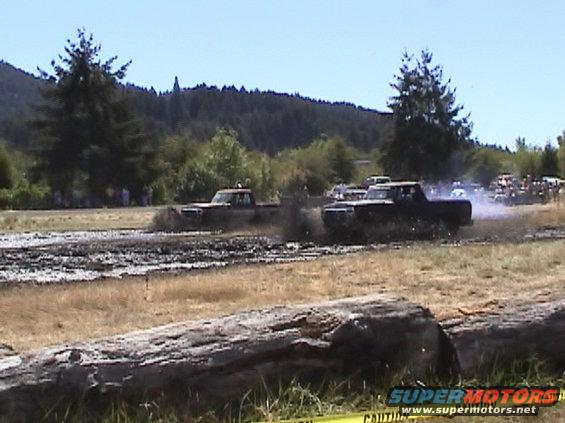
{"points": [[5, 199], [7, 171], [30, 196]]}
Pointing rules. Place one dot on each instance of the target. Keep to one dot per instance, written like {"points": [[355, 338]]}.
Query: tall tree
{"points": [[176, 111], [89, 140], [549, 161], [430, 135], [561, 153]]}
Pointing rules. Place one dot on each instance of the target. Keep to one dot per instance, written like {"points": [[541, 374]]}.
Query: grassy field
{"points": [[76, 219], [451, 281]]}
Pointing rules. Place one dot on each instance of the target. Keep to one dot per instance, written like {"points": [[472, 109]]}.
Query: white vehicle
{"points": [[376, 180], [553, 180]]}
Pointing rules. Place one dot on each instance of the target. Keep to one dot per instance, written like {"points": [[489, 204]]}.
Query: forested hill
{"points": [[264, 121], [19, 92]]}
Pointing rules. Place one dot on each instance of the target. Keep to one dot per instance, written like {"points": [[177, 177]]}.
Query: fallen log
{"points": [[213, 361], [516, 332], [218, 360]]}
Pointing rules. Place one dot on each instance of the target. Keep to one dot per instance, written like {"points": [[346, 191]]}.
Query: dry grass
{"points": [[544, 214], [76, 220], [510, 221], [449, 280]]}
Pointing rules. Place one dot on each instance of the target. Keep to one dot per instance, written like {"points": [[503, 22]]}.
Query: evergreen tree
{"points": [[175, 106], [89, 140], [549, 161], [429, 135]]}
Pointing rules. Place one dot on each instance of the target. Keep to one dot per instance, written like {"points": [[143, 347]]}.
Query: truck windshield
{"points": [[378, 194], [222, 197]]}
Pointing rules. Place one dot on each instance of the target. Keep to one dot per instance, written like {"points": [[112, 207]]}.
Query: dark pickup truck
{"points": [[229, 207], [395, 202]]}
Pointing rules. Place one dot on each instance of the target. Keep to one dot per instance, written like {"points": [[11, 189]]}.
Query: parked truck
{"points": [[229, 207], [395, 202]]}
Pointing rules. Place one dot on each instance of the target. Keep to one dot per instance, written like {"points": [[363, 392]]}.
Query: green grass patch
{"points": [[295, 400]]}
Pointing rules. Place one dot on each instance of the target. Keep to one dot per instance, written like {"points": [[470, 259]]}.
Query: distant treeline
{"points": [[77, 135], [265, 121]]}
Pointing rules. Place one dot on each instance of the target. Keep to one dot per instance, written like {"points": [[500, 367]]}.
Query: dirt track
{"points": [[110, 254], [81, 256]]}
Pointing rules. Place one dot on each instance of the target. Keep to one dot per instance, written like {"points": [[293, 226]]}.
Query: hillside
{"points": [[19, 92], [265, 120]]}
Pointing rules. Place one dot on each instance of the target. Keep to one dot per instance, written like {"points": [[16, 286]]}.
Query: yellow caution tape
{"points": [[387, 415]]}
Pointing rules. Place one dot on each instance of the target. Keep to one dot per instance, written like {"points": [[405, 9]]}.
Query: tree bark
{"points": [[516, 332], [214, 361]]}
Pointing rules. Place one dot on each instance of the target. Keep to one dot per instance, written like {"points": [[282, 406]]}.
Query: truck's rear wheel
{"points": [[445, 228]]}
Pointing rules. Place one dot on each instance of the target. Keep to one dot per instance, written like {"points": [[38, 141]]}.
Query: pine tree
{"points": [[549, 161], [89, 140], [176, 111], [429, 134]]}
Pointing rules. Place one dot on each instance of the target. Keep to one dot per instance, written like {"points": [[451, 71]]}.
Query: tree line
{"points": [[265, 121], [95, 136]]}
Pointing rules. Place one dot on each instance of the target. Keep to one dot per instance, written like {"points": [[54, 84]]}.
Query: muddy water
{"points": [[83, 256], [79, 257], [41, 239]]}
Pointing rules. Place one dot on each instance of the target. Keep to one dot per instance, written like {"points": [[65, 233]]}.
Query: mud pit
{"points": [[83, 256], [55, 257]]}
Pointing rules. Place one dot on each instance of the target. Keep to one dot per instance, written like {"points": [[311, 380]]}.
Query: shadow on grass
{"points": [[292, 399]]}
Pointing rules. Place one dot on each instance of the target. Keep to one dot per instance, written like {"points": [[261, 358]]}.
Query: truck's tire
{"points": [[445, 227]]}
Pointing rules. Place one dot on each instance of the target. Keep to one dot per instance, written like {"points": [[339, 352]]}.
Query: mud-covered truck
{"points": [[229, 207], [395, 202]]}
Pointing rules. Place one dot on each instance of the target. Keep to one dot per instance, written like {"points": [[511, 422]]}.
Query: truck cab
{"points": [[235, 198], [228, 207], [396, 202]]}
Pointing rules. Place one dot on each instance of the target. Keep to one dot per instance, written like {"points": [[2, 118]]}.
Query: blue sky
{"points": [[506, 58]]}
